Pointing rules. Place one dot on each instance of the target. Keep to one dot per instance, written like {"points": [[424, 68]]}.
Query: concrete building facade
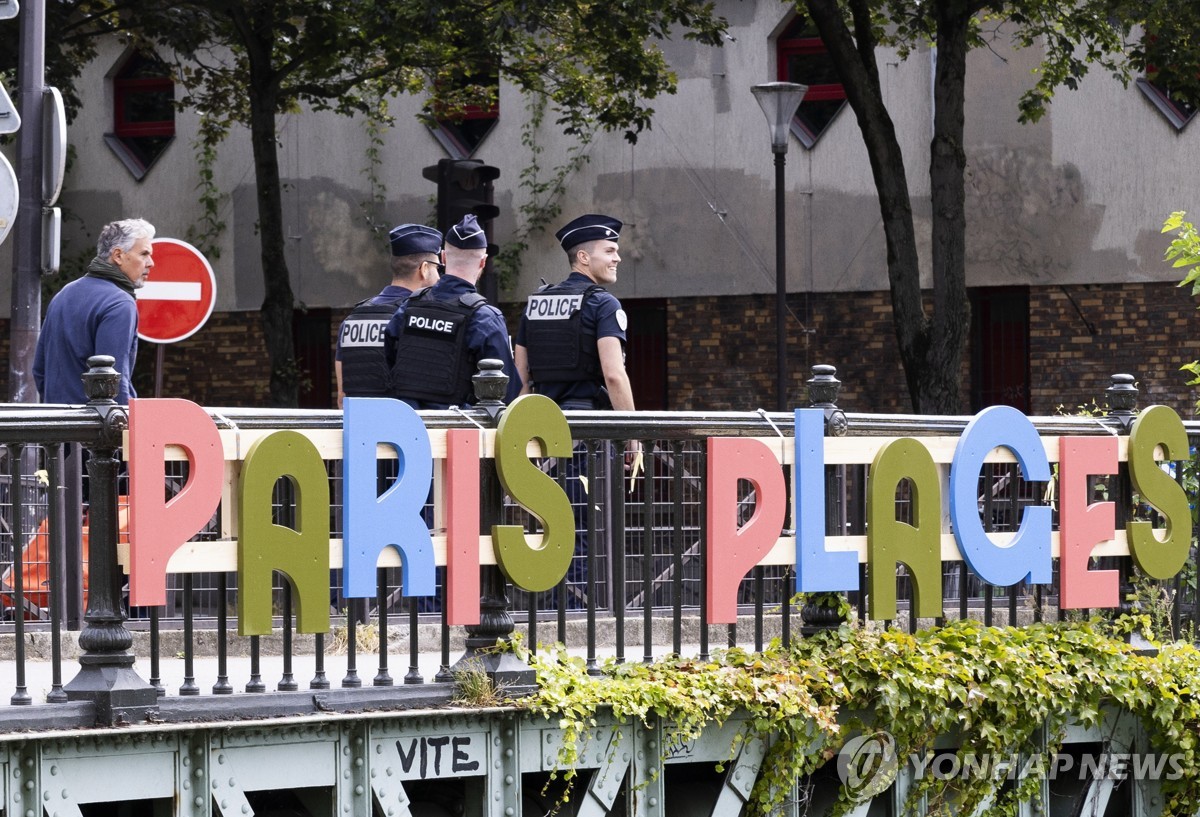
{"points": [[1064, 251]]}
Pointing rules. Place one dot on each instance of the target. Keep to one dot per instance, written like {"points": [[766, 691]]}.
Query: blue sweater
{"points": [[89, 316]]}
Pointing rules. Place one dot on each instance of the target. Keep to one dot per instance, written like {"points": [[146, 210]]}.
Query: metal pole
{"points": [[27, 231], [780, 287]]}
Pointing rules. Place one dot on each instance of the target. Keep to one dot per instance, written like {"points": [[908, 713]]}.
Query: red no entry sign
{"points": [[179, 294]]}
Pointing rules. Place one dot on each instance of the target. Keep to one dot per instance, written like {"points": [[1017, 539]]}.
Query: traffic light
{"points": [[465, 186]]}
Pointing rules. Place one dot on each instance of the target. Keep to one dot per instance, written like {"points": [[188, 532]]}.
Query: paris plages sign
{"points": [[389, 529]]}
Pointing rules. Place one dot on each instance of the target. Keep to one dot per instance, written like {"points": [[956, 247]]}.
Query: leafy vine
{"points": [[543, 195], [377, 120], [205, 234], [998, 690]]}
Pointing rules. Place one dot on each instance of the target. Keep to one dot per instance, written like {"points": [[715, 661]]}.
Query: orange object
{"points": [[35, 564]]}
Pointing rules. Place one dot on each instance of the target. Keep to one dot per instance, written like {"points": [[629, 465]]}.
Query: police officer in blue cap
{"points": [[359, 362], [571, 348], [436, 338], [571, 342]]}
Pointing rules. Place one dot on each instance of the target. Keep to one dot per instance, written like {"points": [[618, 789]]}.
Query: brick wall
{"points": [[721, 350], [224, 364], [1083, 334]]}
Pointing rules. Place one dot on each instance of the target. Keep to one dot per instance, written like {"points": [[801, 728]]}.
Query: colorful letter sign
{"points": [[377, 517], [1028, 555]]}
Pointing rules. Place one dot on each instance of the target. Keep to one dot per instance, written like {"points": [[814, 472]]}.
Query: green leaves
{"points": [[1184, 252], [993, 691]]}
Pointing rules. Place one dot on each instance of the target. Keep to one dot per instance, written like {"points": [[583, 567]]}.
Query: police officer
{"points": [[437, 337], [359, 361], [571, 341]]}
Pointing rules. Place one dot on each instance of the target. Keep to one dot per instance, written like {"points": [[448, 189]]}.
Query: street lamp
{"points": [[779, 101]]}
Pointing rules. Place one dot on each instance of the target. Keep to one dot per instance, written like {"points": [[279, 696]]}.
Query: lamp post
{"points": [[779, 101]]}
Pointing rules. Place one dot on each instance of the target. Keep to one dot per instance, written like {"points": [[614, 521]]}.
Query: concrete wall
{"points": [[1078, 197], [1075, 200]]}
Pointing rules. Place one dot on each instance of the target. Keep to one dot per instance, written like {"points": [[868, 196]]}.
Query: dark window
{"points": [[646, 353], [1000, 347], [804, 58], [462, 127], [143, 112], [314, 357]]}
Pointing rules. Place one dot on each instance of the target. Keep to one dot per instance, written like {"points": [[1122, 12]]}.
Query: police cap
{"points": [[410, 239], [591, 227], [467, 234]]}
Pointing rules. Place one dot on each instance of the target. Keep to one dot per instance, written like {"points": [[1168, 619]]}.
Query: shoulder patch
{"points": [[622, 320]]}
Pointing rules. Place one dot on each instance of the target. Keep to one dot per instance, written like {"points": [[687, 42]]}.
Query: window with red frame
{"points": [[463, 132], [803, 58], [143, 112]]}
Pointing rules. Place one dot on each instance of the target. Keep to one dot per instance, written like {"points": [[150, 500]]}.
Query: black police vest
{"points": [[432, 360], [559, 349], [364, 367]]}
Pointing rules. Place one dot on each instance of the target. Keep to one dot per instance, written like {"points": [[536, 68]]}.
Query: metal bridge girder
{"points": [[740, 778], [606, 780]]}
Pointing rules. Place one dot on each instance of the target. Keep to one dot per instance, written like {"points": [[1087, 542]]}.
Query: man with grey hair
{"points": [[96, 315]]}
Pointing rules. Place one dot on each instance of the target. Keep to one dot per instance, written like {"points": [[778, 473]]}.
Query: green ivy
{"points": [[206, 232], [1184, 253], [543, 201], [1000, 690], [373, 207]]}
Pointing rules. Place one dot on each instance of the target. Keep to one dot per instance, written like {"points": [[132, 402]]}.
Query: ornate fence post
{"points": [[1121, 396], [106, 676], [822, 611], [495, 621]]}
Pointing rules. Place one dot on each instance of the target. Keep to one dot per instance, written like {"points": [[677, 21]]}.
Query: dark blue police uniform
{"points": [[435, 340], [360, 343], [560, 331], [564, 361], [484, 335]]}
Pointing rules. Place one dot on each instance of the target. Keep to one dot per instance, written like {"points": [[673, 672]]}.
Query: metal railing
{"points": [[635, 590]]}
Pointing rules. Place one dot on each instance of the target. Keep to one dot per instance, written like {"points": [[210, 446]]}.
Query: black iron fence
{"points": [[636, 588]]}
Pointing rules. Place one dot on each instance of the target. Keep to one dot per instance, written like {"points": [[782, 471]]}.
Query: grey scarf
{"points": [[108, 271]]}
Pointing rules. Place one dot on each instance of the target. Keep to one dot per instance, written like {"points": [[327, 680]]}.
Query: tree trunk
{"points": [[939, 390], [278, 301], [854, 57]]}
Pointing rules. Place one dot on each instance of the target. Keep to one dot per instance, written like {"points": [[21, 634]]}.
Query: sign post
{"points": [[177, 299]]}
